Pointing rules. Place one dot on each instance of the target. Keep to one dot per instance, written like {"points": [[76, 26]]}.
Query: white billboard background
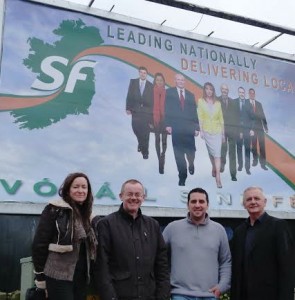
{"points": [[102, 143]]}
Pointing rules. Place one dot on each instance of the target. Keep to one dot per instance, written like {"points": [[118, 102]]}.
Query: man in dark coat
{"points": [[139, 104], [132, 262], [262, 254], [182, 123], [230, 111], [244, 126], [258, 130]]}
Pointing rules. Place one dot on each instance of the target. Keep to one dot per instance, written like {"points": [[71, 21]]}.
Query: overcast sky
{"points": [[280, 12]]}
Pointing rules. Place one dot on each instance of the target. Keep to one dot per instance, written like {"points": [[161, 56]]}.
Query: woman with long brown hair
{"points": [[158, 119], [64, 243]]}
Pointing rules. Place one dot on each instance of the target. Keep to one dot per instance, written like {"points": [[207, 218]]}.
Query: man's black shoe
{"points": [[234, 178], [181, 182], [191, 169]]}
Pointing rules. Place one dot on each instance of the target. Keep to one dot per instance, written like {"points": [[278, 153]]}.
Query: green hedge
{"points": [[225, 296]]}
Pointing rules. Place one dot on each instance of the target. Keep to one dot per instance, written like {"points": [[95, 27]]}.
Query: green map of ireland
{"points": [[74, 37]]}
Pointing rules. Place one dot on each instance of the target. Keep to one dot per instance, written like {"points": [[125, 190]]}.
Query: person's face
{"points": [[79, 190], [197, 206], [224, 91], [159, 81], [241, 93], [142, 74], [209, 91], [132, 197], [252, 94], [254, 202], [179, 81]]}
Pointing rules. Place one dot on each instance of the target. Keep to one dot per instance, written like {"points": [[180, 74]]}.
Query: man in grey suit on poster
{"points": [[139, 104], [182, 123]]}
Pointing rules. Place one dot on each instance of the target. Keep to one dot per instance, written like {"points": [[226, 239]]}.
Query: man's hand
{"points": [[169, 130], [128, 112], [215, 290]]}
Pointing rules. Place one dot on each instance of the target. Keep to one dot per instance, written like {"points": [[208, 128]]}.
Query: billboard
{"points": [[70, 100]]}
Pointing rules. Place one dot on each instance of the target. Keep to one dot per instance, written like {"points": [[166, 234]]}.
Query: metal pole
{"points": [[225, 15], [271, 40]]}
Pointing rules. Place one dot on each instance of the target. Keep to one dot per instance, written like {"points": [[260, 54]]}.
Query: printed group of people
{"points": [[245, 126], [146, 104], [131, 259], [226, 125]]}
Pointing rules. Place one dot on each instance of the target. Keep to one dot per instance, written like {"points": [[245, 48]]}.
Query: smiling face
{"points": [[241, 92], [142, 74], [159, 81], [252, 94], [179, 81], [254, 202], [209, 92], [224, 90], [132, 197], [197, 207], [79, 190]]}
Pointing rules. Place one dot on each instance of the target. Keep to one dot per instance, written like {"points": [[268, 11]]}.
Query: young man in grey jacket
{"points": [[199, 252]]}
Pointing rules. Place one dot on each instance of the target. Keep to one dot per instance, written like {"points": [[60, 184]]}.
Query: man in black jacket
{"points": [[132, 258], [244, 126], [258, 130], [182, 123], [139, 104], [262, 254], [230, 111]]}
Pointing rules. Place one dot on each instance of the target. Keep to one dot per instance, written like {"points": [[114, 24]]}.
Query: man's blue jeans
{"points": [[181, 297]]}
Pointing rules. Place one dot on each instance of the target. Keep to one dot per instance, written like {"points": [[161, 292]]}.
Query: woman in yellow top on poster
{"points": [[211, 127]]}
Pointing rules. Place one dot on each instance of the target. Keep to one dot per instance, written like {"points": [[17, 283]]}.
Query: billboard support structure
{"points": [[188, 34], [225, 15]]}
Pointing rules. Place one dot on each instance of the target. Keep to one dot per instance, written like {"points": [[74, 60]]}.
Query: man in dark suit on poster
{"points": [[244, 126], [258, 130], [262, 254], [182, 123], [230, 111], [139, 104]]}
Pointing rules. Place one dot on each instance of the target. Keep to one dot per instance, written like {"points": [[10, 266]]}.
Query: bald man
{"points": [[182, 123]]}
